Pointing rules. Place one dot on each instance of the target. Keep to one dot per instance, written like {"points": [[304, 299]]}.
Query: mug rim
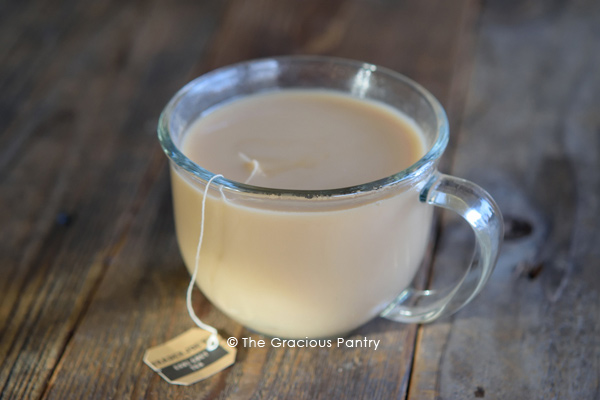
{"points": [[408, 174]]}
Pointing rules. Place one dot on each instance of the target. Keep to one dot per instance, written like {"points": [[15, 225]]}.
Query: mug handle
{"points": [[480, 211]]}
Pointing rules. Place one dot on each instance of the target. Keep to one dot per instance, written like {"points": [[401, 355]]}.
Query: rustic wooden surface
{"points": [[531, 136], [90, 274]]}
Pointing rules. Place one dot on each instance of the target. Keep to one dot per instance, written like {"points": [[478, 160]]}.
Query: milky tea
{"points": [[296, 272]]}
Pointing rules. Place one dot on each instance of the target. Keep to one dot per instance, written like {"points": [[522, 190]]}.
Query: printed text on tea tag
{"points": [[185, 360]]}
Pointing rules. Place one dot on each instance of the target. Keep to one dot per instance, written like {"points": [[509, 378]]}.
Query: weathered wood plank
{"points": [[140, 303], [79, 137], [532, 137], [417, 39]]}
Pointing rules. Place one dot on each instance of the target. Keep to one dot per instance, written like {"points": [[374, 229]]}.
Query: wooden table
{"points": [[90, 274]]}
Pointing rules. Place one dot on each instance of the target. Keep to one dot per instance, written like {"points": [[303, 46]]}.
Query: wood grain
{"points": [[91, 275], [531, 137], [78, 142]]}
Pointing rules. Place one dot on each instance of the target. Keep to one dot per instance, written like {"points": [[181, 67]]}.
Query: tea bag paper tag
{"points": [[185, 360]]}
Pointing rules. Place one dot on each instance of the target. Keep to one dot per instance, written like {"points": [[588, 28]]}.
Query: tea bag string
{"points": [[213, 341], [255, 166]]}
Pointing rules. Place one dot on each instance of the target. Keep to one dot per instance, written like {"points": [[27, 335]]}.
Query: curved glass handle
{"points": [[478, 208]]}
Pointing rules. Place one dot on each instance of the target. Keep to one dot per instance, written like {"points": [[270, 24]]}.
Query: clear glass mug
{"points": [[302, 263]]}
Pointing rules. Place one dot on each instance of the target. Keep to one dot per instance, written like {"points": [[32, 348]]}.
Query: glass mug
{"points": [[320, 263]]}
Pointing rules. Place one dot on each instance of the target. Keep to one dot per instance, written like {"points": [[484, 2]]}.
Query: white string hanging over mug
{"points": [[213, 341]]}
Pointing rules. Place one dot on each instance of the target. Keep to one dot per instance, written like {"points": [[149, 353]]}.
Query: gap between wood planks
{"points": [[457, 96]]}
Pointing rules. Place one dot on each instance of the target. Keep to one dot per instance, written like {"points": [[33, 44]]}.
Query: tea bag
{"points": [[197, 353]]}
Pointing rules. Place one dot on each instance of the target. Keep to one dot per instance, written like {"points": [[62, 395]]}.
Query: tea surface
{"points": [[304, 139]]}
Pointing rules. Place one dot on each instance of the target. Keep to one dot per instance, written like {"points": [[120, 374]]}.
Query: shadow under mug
{"points": [[303, 263]]}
